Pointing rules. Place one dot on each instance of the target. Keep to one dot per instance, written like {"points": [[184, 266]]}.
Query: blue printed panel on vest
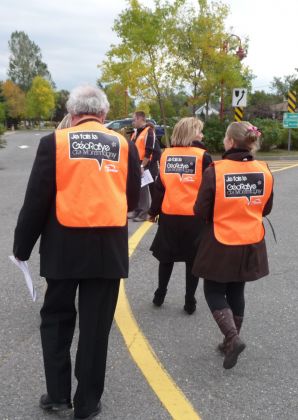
{"points": [[244, 185], [182, 165], [94, 145]]}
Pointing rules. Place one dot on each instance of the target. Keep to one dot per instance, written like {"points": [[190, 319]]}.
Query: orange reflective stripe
{"points": [[91, 175], [181, 175], [242, 191], [141, 142]]}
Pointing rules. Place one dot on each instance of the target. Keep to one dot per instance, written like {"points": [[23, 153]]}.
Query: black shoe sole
{"points": [[55, 407], [190, 310], [91, 416]]}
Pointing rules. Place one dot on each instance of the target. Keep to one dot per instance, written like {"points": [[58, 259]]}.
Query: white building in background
{"points": [[203, 111]]}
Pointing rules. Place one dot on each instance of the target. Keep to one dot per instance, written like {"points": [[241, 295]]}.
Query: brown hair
{"points": [[245, 135], [186, 130], [140, 114]]}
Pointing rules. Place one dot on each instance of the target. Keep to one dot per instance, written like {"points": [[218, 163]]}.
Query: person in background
{"points": [[154, 162], [144, 139], [83, 181], [176, 188], [236, 192]]}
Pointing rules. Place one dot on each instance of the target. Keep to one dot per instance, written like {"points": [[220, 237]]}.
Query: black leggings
{"points": [[164, 274], [225, 295]]}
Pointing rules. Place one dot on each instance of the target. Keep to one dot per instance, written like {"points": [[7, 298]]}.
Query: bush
{"points": [[214, 133], [2, 142], [2, 129], [272, 133], [294, 139]]}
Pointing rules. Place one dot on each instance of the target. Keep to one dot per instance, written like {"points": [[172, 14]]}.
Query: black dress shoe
{"points": [[190, 305], [91, 415], [159, 297], [46, 403]]}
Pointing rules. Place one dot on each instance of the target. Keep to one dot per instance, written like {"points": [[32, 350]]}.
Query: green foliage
{"points": [[141, 60], [260, 103], [284, 139], [272, 133], [40, 99], [214, 133], [281, 86], [205, 55], [25, 61], [2, 130], [61, 98], [175, 106], [2, 113], [121, 104]]}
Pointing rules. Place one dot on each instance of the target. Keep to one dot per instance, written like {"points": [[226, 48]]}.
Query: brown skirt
{"points": [[223, 263]]}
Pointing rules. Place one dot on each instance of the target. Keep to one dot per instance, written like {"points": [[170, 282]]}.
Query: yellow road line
{"points": [[285, 168], [143, 355]]}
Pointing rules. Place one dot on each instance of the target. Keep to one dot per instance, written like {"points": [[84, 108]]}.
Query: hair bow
{"points": [[255, 130]]}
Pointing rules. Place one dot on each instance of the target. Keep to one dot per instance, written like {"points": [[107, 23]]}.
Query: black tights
{"points": [[225, 295], [164, 274]]}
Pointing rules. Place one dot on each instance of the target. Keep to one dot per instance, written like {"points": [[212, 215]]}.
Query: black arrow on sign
{"points": [[239, 100]]}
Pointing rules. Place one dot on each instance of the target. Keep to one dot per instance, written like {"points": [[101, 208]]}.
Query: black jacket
{"points": [[70, 252], [177, 237], [233, 263]]}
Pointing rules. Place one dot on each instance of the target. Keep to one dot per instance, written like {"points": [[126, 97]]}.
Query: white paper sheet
{"points": [[22, 265], [146, 178]]}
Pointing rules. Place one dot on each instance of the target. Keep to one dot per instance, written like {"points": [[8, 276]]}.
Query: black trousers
{"points": [[96, 303], [164, 275], [225, 295]]}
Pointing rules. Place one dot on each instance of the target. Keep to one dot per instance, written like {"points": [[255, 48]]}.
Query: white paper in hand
{"points": [[22, 265], [146, 178]]}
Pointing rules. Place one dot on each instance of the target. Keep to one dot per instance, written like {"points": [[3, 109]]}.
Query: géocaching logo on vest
{"points": [[94, 145], [244, 185], [181, 165]]}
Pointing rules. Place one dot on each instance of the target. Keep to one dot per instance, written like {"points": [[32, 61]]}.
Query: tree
{"points": [[25, 61], [204, 53], [14, 100], [61, 98], [2, 113], [260, 104], [40, 99], [175, 105], [141, 60], [121, 103], [281, 86]]}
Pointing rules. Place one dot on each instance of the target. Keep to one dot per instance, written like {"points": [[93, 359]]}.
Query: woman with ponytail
{"points": [[235, 193]]}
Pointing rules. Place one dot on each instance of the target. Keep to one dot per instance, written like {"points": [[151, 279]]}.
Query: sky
{"points": [[75, 35]]}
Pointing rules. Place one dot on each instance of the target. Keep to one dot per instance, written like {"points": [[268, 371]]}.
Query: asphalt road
{"points": [[263, 385]]}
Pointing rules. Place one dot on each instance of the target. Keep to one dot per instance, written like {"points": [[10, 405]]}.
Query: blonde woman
{"points": [[235, 194], [175, 191], [65, 123]]}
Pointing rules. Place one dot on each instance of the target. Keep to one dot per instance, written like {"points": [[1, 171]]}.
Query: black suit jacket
{"points": [[70, 252]]}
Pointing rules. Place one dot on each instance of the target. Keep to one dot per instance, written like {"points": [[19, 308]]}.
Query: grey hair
{"points": [[87, 99]]}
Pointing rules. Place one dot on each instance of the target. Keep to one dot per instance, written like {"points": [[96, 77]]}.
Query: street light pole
{"points": [[240, 53]]}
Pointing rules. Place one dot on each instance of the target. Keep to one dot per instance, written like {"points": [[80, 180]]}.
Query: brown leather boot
{"points": [[233, 344], [238, 322]]}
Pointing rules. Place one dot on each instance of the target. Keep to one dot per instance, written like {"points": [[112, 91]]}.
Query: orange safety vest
{"points": [[91, 175], [242, 191], [140, 142], [181, 175]]}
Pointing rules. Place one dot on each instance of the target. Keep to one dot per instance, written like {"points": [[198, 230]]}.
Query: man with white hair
{"points": [[84, 180]]}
